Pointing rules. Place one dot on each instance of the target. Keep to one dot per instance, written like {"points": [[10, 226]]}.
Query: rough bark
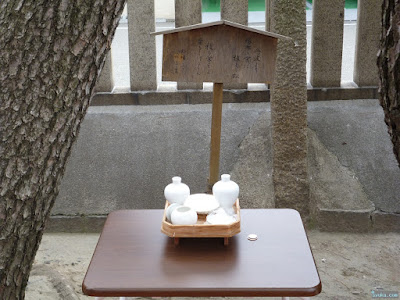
{"points": [[389, 70], [51, 53]]}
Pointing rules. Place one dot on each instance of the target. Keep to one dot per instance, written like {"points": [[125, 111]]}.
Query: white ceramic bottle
{"points": [[226, 192], [176, 192]]}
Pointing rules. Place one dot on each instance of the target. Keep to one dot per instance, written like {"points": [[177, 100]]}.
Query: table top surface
{"points": [[133, 258]]}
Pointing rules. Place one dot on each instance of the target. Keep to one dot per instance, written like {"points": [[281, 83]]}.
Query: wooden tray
{"points": [[201, 230]]}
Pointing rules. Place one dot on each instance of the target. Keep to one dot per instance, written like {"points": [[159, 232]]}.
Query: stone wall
{"points": [[126, 155]]}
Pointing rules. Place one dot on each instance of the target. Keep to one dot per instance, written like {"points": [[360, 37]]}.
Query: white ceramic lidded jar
{"points": [[226, 192], [176, 192]]}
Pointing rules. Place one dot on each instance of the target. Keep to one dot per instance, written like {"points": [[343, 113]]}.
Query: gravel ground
{"points": [[350, 265]]}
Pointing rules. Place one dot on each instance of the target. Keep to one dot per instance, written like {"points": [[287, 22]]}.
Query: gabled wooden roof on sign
{"points": [[222, 52], [222, 22]]}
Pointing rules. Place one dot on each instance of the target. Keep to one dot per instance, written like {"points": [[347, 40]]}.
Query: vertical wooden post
{"points": [[215, 134]]}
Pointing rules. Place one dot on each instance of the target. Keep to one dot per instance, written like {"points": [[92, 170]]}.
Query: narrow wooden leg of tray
{"points": [[226, 241], [176, 241]]}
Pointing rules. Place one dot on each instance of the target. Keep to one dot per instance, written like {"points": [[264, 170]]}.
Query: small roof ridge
{"points": [[222, 22]]}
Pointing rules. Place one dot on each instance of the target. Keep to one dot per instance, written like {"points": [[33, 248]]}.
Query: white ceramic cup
{"points": [[170, 209], [184, 215]]}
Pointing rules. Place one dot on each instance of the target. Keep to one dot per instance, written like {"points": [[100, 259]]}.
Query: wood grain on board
{"points": [[222, 54]]}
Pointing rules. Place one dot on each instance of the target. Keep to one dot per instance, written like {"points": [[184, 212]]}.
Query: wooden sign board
{"points": [[222, 52], [219, 52]]}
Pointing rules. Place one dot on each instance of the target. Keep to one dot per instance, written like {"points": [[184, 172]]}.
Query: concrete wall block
{"points": [[367, 42], [156, 98], [142, 46], [188, 12], [126, 155], [229, 96], [344, 220], [114, 99], [235, 11], [189, 86], [253, 170], [337, 93], [202, 97], [327, 43], [355, 133], [105, 82], [385, 222], [72, 224], [338, 200]]}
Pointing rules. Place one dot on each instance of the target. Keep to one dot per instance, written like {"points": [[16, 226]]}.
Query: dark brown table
{"points": [[133, 258]]}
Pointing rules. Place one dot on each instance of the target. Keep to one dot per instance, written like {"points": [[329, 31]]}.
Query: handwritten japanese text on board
{"points": [[219, 54]]}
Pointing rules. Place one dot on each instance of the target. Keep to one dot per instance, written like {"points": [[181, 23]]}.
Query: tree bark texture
{"points": [[51, 53], [389, 70]]}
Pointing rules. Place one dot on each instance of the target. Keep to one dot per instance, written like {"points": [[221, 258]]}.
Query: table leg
{"points": [[226, 241], [176, 241]]}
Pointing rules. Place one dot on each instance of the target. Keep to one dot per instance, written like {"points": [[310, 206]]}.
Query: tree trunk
{"points": [[51, 53], [389, 70]]}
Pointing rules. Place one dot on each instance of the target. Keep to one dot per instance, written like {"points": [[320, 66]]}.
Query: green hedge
{"points": [[348, 3], [257, 5]]}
